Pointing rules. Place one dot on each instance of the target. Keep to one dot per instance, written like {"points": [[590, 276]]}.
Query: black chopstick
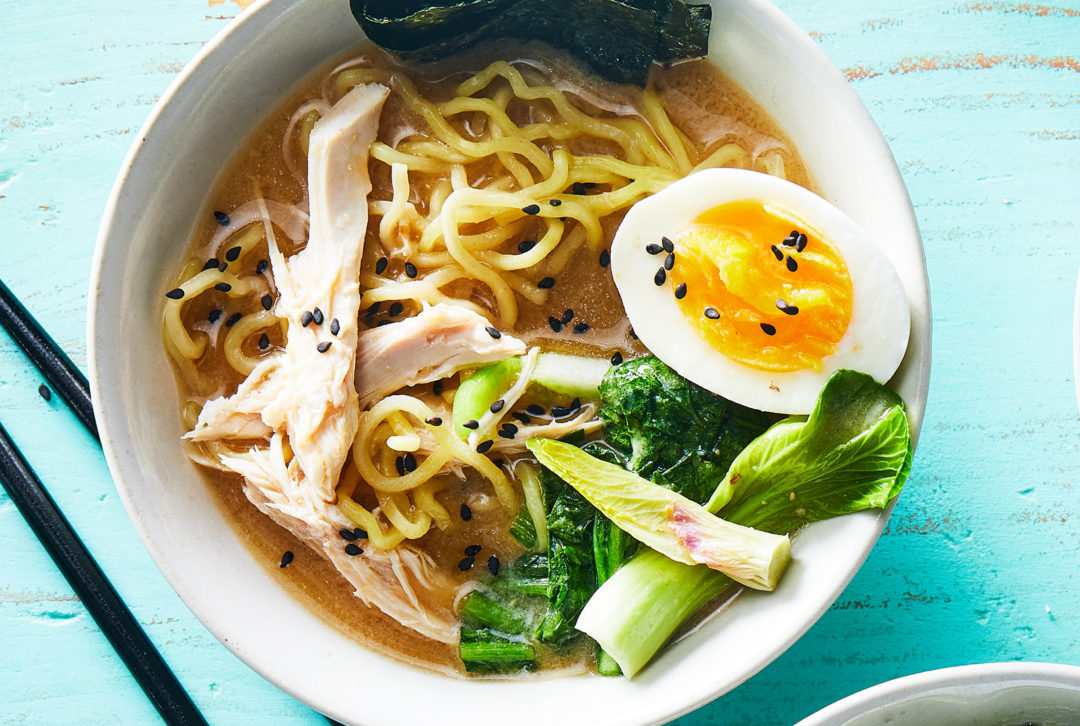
{"points": [[53, 363], [93, 588]]}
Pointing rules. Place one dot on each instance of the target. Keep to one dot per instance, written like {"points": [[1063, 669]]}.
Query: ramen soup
{"points": [[403, 276]]}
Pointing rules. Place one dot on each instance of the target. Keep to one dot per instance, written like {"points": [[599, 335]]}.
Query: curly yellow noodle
{"points": [[346, 80], [424, 496], [397, 510], [306, 125], [192, 287], [414, 162], [238, 333], [446, 133], [726, 155], [377, 536]]}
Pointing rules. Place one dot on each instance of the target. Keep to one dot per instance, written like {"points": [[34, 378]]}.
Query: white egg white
{"points": [[877, 334]]}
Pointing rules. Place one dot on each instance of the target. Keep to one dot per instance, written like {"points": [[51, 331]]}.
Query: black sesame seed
{"points": [[214, 315], [410, 270], [267, 301], [399, 464], [473, 550], [471, 424], [555, 202], [493, 332], [531, 209], [437, 387], [712, 314], [395, 310], [361, 533], [380, 266], [211, 263], [261, 267], [680, 291], [317, 316], [410, 462], [264, 342], [233, 320], [482, 447], [669, 261], [659, 277], [575, 405], [768, 329], [525, 245], [792, 265], [794, 233], [616, 359], [323, 346], [581, 327], [222, 218], [560, 411], [335, 327], [433, 421], [605, 258], [535, 410], [546, 284], [579, 188], [522, 418], [653, 249], [234, 253], [286, 558], [223, 287], [223, 266], [384, 322], [786, 308], [348, 535], [497, 406], [506, 433], [776, 251], [44, 392], [800, 245], [667, 244], [567, 316], [175, 294], [305, 319], [493, 565], [465, 564], [352, 550], [466, 513], [633, 334], [371, 311], [555, 324]]}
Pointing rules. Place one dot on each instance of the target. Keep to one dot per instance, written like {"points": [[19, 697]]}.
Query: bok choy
{"points": [[852, 453]]}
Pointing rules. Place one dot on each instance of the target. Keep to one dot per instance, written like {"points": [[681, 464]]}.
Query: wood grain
{"points": [[980, 103]]}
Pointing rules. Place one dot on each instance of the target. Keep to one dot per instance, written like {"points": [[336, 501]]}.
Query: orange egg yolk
{"points": [[762, 287]]}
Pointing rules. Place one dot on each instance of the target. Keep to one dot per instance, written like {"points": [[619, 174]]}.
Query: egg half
{"points": [[758, 289]]}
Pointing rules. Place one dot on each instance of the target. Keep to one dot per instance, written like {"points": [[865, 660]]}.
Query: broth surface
{"points": [[708, 108]]}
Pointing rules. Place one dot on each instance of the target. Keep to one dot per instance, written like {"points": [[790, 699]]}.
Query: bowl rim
{"points": [[115, 435], [898, 690]]}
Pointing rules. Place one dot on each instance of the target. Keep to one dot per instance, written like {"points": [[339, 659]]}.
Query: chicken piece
{"points": [[306, 390], [436, 343], [305, 394]]}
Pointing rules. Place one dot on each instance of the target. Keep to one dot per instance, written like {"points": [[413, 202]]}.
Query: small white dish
{"points": [[231, 84], [987, 694]]}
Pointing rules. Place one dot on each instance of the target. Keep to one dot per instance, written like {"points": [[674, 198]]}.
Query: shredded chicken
{"points": [[305, 394], [436, 343]]}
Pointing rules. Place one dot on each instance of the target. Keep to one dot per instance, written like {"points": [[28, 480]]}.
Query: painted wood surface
{"points": [[980, 102]]}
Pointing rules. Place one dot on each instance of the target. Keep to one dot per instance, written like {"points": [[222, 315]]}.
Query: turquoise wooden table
{"points": [[980, 102]]}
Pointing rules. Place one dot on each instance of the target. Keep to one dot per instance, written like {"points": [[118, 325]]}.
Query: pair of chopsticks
{"points": [[62, 543]]}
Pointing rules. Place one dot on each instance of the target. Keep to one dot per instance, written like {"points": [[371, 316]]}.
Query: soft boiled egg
{"points": [[758, 289]]}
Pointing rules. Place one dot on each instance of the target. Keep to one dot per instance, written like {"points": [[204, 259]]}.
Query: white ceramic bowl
{"points": [[232, 83], [987, 694]]}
